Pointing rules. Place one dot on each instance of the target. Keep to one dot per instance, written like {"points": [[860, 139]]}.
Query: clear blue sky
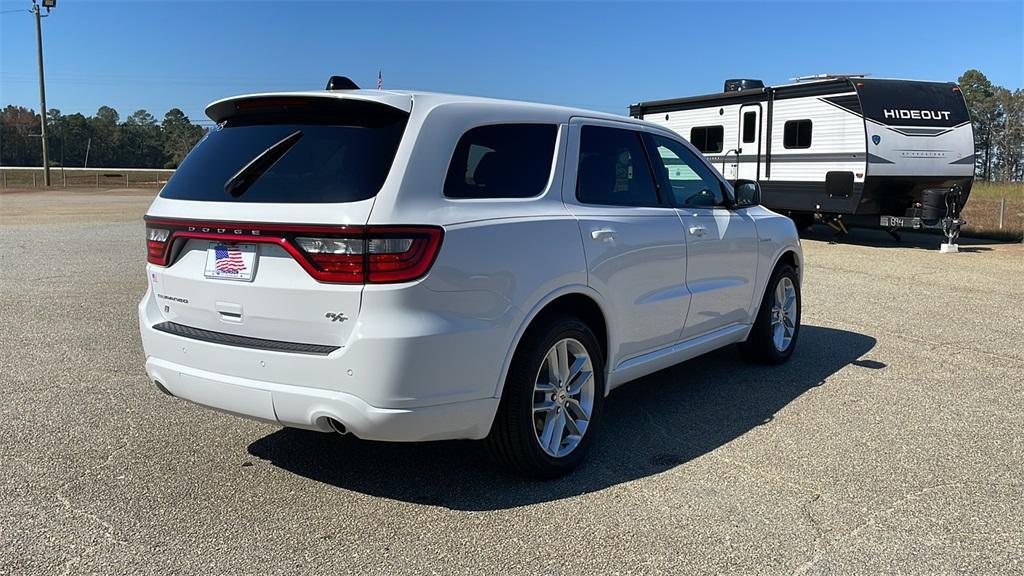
{"points": [[158, 55]]}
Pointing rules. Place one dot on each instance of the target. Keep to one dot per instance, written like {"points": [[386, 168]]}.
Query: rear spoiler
{"points": [[299, 102]]}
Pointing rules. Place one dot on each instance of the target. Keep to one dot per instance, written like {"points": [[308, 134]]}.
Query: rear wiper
{"points": [[251, 172]]}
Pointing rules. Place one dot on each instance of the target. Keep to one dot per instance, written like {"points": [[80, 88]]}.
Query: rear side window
{"points": [[288, 154], [501, 161], [613, 169], [707, 138], [796, 134]]}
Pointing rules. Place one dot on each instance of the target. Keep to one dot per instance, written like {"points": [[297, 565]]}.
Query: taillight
{"points": [[342, 258], [381, 254], [337, 254], [156, 241], [400, 255]]}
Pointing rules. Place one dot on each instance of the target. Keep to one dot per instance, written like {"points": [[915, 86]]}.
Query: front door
{"points": [[721, 243], [749, 158], [633, 239]]}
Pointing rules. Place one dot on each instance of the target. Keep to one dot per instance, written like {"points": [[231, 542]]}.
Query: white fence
{"points": [[32, 177]]}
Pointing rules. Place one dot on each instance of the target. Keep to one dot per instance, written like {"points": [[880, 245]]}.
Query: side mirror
{"points": [[748, 193]]}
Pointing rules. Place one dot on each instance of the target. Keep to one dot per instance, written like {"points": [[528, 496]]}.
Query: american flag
{"points": [[380, 80], [228, 259]]}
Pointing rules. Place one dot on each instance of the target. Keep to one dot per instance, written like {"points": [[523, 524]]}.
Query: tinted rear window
{"points": [[501, 161], [343, 155]]}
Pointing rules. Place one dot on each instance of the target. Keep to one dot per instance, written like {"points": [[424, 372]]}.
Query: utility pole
{"points": [[42, 83]]}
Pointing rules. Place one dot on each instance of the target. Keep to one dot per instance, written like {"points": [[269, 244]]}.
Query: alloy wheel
{"points": [[563, 397], [784, 314]]}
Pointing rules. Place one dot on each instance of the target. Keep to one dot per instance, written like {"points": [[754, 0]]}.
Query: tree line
{"points": [[998, 117], [102, 140]]}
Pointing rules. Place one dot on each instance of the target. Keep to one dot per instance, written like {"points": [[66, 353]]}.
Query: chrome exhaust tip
{"points": [[337, 426]]}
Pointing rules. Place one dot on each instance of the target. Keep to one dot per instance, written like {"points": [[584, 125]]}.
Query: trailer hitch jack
{"points": [[952, 222]]}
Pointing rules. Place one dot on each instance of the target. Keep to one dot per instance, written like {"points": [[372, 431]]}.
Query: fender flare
{"points": [[797, 255], [532, 315], [759, 292]]}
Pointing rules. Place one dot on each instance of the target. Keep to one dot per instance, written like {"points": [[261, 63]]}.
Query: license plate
{"points": [[231, 261], [897, 222]]}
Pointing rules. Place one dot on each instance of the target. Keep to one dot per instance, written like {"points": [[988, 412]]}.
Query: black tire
{"points": [[760, 346], [802, 220], [512, 442]]}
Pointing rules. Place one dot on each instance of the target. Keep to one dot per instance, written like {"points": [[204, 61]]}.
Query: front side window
{"points": [[501, 161], [613, 169], [692, 183], [707, 139], [797, 134]]}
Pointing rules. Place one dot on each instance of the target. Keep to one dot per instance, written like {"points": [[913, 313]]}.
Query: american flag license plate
{"points": [[231, 261]]}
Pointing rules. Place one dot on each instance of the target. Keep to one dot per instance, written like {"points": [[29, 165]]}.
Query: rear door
{"points": [[721, 242], [633, 240], [259, 233]]}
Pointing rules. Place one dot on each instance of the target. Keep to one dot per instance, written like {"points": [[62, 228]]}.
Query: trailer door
{"points": [[748, 159]]}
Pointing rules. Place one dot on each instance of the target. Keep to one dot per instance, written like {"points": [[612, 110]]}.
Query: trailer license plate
{"points": [[230, 261]]}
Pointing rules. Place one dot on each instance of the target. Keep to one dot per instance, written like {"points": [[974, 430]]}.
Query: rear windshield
{"points": [[339, 155]]}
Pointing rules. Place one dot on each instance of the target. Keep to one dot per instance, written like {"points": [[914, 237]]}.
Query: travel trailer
{"points": [[839, 149]]}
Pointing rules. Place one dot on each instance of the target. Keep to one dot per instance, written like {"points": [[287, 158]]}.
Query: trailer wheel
{"points": [[802, 220]]}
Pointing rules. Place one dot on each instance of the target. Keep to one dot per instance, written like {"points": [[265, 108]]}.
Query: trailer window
{"points": [[797, 134], [749, 126], [502, 161], [707, 138]]}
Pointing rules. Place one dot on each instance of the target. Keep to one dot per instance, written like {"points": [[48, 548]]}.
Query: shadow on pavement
{"points": [[651, 425], [908, 239]]}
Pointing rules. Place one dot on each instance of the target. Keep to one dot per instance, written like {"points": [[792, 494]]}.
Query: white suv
{"points": [[410, 266]]}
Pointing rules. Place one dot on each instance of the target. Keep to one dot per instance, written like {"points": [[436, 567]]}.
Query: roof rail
{"points": [[814, 77]]}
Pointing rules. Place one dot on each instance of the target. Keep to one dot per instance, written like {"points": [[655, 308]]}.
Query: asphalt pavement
{"points": [[893, 441]]}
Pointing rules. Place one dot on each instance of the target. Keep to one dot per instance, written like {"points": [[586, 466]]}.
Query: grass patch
{"points": [[982, 211]]}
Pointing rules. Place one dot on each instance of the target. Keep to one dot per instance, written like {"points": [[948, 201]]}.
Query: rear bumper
{"points": [[310, 408], [404, 385]]}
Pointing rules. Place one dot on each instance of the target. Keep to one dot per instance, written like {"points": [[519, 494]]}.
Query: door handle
{"points": [[698, 230], [603, 234]]}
